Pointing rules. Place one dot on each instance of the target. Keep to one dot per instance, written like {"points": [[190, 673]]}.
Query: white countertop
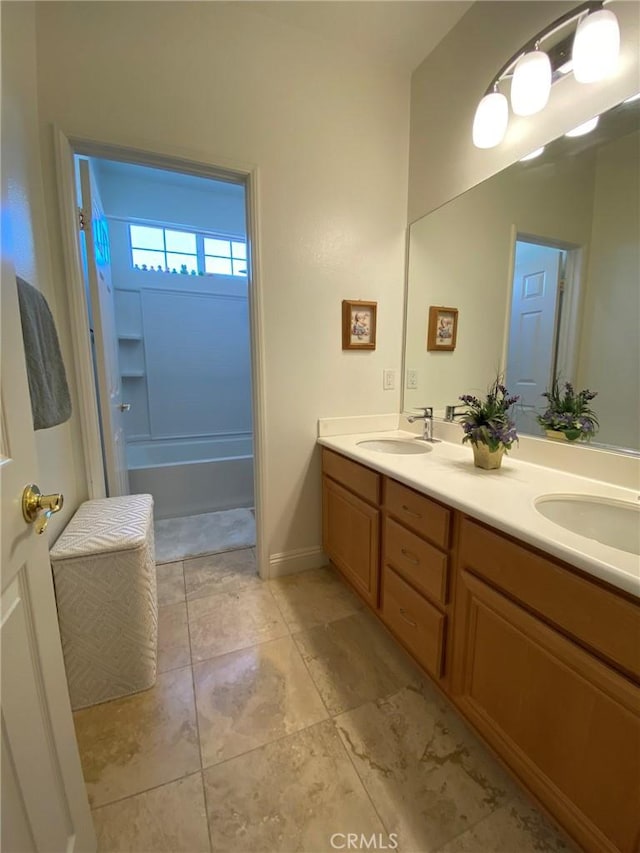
{"points": [[503, 499]]}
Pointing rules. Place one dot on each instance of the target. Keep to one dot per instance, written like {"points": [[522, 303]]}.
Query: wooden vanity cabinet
{"points": [[549, 689], [351, 522], [415, 573]]}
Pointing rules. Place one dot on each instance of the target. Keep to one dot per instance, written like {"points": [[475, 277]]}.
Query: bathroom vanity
{"points": [[536, 640]]}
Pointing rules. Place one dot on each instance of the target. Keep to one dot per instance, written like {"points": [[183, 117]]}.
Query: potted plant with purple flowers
{"points": [[488, 425], [568, 416]]}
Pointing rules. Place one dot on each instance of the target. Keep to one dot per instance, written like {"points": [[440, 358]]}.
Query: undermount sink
{"points": [[393, 445], [611, 522]]}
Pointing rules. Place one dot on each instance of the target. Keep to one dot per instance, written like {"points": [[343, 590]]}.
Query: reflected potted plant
{"points": [[488, 425], [568, 416]]}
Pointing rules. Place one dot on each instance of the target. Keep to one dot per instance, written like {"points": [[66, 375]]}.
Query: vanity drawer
{"points": [[360, 480], [424, 566], [415, 622], [426, 517], [601, 619]]}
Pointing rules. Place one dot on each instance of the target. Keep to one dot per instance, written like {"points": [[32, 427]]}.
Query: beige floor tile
{"points": [[169, 819], [228, 572], [353, 660], [170, 583], [289, 796], [141, 741], [427, 775], [233, 620], [312, 598], [248, 698], [515, 828], [173, 637]]}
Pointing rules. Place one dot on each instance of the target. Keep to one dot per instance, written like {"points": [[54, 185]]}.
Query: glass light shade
{"points": [[596, 46], [586, 127], [532, 155], [531, 83], [490, 121]]}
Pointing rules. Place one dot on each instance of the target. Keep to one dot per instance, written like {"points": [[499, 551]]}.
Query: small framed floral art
{"points": [[443, 328], [358, 324]]}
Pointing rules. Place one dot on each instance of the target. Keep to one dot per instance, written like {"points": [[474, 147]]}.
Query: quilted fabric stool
{"points": [[105, 580]]}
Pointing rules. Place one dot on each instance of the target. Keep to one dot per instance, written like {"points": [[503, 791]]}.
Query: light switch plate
{"points": [[412, 379], [388, 379]]}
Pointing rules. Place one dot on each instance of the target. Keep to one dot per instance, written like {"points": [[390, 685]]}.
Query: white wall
{"points": [[610, 341], [21, 163], [460, 256], [193, 350], [446, 89], [193, 202], [328, 131]]}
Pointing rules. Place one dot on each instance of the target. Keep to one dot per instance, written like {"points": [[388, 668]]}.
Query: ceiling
{"points": [[396, 32]]}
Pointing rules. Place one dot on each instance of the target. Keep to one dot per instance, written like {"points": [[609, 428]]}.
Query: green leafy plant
{"points": [[569, 412], [489, 421]]}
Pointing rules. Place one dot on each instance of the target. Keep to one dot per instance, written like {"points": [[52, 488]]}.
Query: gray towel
{"points": [[50, 400]]}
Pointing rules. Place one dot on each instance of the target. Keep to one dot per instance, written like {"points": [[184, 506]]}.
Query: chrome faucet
{"points": [[427, 417], [450, 413]]}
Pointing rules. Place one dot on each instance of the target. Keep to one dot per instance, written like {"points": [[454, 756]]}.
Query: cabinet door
{"points": [[351, 533], [566, 723]]}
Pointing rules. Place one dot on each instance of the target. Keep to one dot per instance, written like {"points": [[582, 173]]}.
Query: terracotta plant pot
{"points": [[485, 458]]}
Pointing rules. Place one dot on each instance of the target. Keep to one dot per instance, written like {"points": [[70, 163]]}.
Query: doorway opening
{"points": [[166, 272], [542, 346]]}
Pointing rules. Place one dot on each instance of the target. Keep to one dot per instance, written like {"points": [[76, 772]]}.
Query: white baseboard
{"points": [[300, 560]]}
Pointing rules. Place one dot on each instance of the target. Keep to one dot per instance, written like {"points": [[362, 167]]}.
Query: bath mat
{"points": [[211, 533]]}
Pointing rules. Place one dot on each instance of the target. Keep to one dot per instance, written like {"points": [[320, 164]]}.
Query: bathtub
{"points": [[192, 476]]}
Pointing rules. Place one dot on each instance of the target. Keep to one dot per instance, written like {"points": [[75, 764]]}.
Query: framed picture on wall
{"points": [[443, 328], [358, 324]]}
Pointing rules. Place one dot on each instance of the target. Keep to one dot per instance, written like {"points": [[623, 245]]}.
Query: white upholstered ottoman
{"points": [[105, 581]]}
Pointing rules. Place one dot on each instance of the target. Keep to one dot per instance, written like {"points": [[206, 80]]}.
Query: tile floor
{"points": [[282, 715]]}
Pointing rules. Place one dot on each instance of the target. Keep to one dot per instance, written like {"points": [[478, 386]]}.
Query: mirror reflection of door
{"points": [[536, 305]]}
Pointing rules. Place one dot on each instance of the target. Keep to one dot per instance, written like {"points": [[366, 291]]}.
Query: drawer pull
{"points": [[411, 512], [403, 613], [410, 557]]}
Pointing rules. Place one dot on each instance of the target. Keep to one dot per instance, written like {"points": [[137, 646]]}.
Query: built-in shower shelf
{"points": [[133, 374], [129, 337]]}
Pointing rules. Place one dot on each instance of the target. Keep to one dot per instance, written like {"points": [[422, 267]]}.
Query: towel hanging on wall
{"points": [[48, 389]]}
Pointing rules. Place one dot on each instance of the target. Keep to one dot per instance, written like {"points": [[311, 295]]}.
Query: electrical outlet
{"points": [[412, 379], [388, 379]]}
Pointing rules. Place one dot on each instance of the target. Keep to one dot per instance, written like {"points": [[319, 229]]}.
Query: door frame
{"points": [[66, 146], [567, 334]]}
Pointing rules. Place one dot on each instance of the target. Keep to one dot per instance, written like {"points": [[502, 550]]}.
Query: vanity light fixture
{"points": [[584, 128], [532, 155], [531, 83], [490, 122], [590, 50], [596, 46]]}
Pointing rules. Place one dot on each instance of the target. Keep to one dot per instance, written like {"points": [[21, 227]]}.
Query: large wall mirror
{"points": [[542, 262]]}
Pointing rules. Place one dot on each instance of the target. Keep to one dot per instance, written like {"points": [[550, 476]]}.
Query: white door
{"points": [[44, 801], [112, 408], [532, 331]]}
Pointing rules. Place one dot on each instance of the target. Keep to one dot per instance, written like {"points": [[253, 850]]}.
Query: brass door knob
{"points": [[38, 508]]}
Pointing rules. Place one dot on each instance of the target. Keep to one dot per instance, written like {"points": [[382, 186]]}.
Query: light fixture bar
{"points": [[564, 20]]}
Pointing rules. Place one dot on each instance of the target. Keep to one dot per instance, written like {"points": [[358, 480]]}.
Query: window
{"points": [[169, 250], [225, 257]]}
